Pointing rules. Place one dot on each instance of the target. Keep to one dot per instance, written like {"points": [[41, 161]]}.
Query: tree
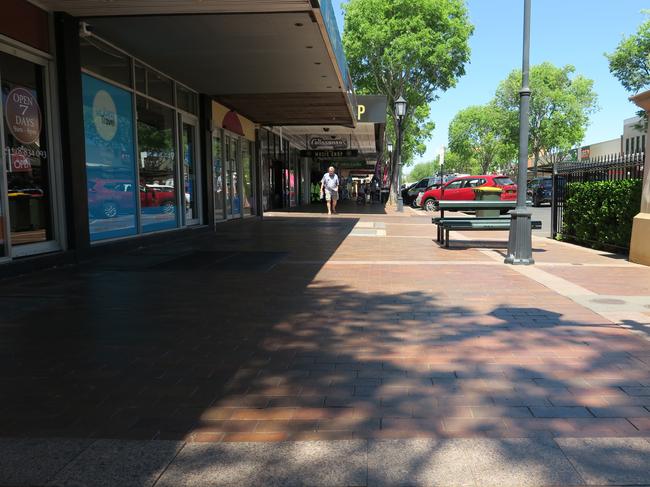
{"points": [[410, 48], [630, 61], [560, 106], [481, 133], [454, 163], [630, 64], [424, 169]]}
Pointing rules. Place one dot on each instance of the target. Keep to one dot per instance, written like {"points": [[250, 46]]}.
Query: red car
{"points": [[109, 198], [462, 189]]}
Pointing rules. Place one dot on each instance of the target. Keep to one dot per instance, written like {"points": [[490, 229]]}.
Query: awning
{"points": [[275, 62]]}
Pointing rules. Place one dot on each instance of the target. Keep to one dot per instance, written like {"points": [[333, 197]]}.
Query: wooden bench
{"points": [[475, 224]]}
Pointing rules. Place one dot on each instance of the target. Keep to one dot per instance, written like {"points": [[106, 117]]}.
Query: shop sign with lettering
{"points": [[23, 115], [20, 163], [327, 142], [328, 154]]}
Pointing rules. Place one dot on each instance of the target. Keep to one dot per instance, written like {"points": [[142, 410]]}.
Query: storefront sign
{"points": [[110, 159], [327, 142], [20, 163], [23, 115], [328, 154], [105, 115]]}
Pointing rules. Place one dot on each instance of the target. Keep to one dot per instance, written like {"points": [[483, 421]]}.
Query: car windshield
{"points": [[503, 181]]}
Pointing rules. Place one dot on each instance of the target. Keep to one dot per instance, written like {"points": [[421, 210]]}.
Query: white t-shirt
{"points": [[331, 183]]}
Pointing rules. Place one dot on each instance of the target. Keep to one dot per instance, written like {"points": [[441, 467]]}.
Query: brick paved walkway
{"points": [[351, 348]]}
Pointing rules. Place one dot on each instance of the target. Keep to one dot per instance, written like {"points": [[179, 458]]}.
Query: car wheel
{"points": [[430, 204], [168, 207], [109, 209]]}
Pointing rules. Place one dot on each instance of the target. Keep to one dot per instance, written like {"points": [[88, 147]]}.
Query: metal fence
{"points": [[606, 168]]}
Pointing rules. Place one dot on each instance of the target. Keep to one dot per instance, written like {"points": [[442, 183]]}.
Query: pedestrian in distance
{"points": [[330, 186]]}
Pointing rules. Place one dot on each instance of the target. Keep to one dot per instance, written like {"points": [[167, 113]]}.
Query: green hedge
{"points": [[600, 213]]}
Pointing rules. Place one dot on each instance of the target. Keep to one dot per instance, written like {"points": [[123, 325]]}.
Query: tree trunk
{"points": [[394, 184]]}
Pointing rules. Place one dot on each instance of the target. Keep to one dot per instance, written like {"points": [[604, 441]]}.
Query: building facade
{"points": [[139, 121]]}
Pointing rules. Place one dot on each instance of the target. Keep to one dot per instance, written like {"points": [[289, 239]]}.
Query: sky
{"points": [[576, 32]]}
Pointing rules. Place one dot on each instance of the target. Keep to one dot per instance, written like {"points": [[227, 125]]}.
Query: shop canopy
{"points": [[355, 148], [277, 62]]}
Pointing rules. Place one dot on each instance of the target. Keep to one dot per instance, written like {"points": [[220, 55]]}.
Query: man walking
{"points": [[330, 185]]}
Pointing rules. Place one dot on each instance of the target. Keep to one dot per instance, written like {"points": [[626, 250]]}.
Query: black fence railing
{"points": [[606, 168]]}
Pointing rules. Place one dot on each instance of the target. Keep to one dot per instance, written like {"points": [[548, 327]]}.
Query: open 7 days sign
{"points": [[23, 115]]}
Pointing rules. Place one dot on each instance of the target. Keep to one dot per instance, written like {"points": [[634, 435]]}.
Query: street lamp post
{"points": [[400, 112], [520, 248]]}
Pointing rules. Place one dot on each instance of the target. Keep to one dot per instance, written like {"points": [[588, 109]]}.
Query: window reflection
{"points": [[156, 164], [189, 174], [247, 177], [217, 177]]}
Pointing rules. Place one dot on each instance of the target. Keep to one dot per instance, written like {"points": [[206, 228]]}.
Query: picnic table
{"points": [[474, 223]]}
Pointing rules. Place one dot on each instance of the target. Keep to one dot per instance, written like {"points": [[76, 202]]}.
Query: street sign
{"points": [[329, 154]]}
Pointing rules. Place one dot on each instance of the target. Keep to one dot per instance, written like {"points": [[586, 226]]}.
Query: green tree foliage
{"points": [[424, 169], [454, 163], [480, 133], [600, 213], [410, 48], [560, 106], [630, 61]]}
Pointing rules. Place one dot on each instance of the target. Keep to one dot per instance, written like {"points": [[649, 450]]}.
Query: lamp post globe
{"points": [[400, 107], [400, 113]]}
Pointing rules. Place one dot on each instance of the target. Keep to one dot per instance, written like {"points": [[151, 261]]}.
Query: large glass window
{"points": [[187, 100], [217, 175], [110, 168], [189, 174], [26, 153], [154, 84], [142, 161], [156, 165], [247, 178], [102, 59], [233, 195]]}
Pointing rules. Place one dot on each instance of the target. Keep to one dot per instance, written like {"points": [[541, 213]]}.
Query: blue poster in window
{"points": [[110, 159]]}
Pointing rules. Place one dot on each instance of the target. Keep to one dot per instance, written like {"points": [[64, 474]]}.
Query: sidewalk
{"points": [[338, 351]]}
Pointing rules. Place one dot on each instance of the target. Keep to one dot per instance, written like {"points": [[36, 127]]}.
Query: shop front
{"points": [[30, 181], [142, 161], [121, 125], [233, 158]]}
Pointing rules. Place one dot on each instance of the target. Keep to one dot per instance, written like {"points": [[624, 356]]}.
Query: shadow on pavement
{"points": [[181, 343]]}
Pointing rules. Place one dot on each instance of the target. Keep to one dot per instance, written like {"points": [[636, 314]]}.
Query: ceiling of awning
{"points": [[273, 68]]}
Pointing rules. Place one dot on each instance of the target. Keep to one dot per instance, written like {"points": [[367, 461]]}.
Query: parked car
{"points": [[410, 193], [108, 198], [462, 189], [540, 191], [418, 201]]}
